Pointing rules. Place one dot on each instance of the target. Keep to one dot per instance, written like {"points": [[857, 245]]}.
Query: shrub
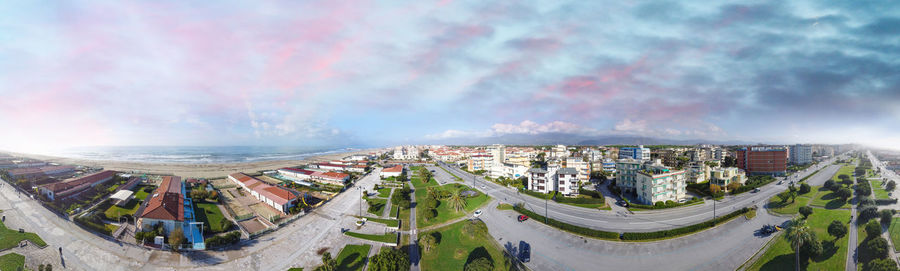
{"points": [[430, 214], [224, 240], [683, 230], [872, 249], [886, 216], [866, 213], [880, 265], [475, 229], [829, 184], [659, 204], [479, 264], [805, 188], [885, 201], [837, 229], [844, 193], [866, 201], [806, 211]]}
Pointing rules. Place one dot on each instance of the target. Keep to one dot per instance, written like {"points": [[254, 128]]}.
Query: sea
{"points": [[197, 155]]}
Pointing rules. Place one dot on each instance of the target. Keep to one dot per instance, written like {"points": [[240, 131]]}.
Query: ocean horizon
{"points": [[197, 154]]}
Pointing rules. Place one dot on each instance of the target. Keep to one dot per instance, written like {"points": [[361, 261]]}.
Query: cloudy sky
{"points": [[374, 72]]}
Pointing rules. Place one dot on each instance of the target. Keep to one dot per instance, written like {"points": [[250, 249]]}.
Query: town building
{"points": [[332, 178], [394, 171], [165, 206], [542, 180], [762, 160], [558, 152], [801, 154], [32, 172], [73, 187], [626, 174], [637, 153], [567, 181], [726, 176], [279, 198], [582, 168], [480, 162], [658, 183]]}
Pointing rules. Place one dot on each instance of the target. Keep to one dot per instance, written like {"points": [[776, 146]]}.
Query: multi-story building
{"points": [[669, 157], [726, 176], [582, 167], [542, 180], [559, 152], [567, 181], [480, 162], [626, 174], [637, 153], [762, 160], [609, 166], [498, 153], [165, 207], [801, 154], [698, 173], [519, 160], [658, 183]]}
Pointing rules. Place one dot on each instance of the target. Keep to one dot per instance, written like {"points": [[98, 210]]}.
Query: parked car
{"points": [[522, 218], [755, 190], [477, 213], [524, 252]]}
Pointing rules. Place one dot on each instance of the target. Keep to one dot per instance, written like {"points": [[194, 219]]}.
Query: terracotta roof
{"points": [[277, 194], [331, 175], [397, 168], [166, 205], [248, 181], [89, 179], [330, 165], [298, 170]]}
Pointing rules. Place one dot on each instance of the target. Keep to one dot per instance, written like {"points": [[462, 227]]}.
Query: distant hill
{"points": [[572, 139]]}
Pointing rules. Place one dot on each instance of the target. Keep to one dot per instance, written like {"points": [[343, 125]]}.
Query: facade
{"points": [[567, 181], [519, 160], [558, 152], [296, 175], [75, 186], [637, 153], [542, 180], [498, 153], [394, 171], [626, 174], [480, 162], [726, 176], [801, 154], [658, 183], [332, 178], [579, 165], [669, 157], [762, 160], [507, 170], [32, 172], [698, 173]]}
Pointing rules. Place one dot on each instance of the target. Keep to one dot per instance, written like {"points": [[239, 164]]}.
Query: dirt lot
{"points": [[253, 225], [269, 180], [264, 210], [232, 202], [222, 183]]}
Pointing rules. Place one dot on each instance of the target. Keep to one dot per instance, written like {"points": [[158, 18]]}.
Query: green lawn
{"points": [[880, 193], [394, 210], [387, 222], [10, 238], [455, 248], [385, 238], [894, 231], [353, 257], [846, 169], [12, 262], [780, 256], [139, 192], [444, 211], [376, 206], [787, 208], [384, 192], [129, 209], [209, 214], [827, 199]]}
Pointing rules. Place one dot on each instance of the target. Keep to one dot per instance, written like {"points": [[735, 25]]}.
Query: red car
{"points": [[522, 218]]}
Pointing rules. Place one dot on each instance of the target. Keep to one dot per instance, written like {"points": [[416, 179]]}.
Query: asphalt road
{"points": [[644, 220]]}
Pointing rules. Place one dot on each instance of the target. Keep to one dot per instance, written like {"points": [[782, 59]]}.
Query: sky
{"points": [[369, 73]]}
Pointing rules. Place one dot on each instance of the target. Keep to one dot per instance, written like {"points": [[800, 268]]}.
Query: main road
{"points": [[645, 220]]}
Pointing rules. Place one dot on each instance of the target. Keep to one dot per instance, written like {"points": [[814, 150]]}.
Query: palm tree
{"points": [[457, 201], [798, 233], [431, 192]]}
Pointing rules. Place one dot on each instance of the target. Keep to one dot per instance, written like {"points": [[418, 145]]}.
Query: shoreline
{"points": [[210, 170]]}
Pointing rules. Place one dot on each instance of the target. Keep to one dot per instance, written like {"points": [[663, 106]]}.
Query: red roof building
{"points": [[75, 186]]}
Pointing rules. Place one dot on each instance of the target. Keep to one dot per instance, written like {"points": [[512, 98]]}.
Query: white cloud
{"points": [[524, 127], [627, 125]]}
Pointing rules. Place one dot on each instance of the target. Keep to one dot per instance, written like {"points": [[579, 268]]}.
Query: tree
{"points": [[733, 186], [430, 203], [804, 188], [430, 214], [792, 193], [886, 216], [837, 229], [890, 185], [328, 263], [715, 189], [829, 184], [226, 225], [480, 264], [389, 260], [880, 265], [457, 201], [176, 238], [866, 213], [844, 193], [428, 242], [783, 197], [875, 248], [729, 162], [798, 233], [806, 211], [873, 229]]}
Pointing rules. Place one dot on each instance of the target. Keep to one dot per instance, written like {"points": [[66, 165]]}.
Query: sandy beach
{"points": [[190, 170]]}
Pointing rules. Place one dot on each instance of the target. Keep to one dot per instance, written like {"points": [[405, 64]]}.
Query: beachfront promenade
{"points": [[292, 245]]}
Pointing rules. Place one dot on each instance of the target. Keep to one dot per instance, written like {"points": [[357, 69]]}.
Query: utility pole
{"points": [[360, 200]]}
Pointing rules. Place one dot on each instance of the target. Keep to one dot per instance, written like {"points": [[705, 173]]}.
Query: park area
{"points": [[828, 199], [454, 246], [780, 255], [12, 262], [447, 202], [211, 216], [782, 203], [10, 238]]}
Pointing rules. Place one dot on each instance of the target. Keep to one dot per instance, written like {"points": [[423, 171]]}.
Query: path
{"points": [[413, 235], [387, 206]]}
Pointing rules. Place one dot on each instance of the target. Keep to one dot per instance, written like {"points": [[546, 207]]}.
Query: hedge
{"points": [[568, 227], [885, 201], [223, 240], [683, 230], [664, 206], [562, 199]]}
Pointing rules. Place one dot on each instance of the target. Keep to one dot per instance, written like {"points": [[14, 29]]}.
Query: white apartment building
{"points": [[559, 152], [567, 181], [801, 154], [498, 153], [726, 176], [507, 170], [480, 162], [658, 183], [698, 173], [581, 167], [542, 180], [637, 153]]}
